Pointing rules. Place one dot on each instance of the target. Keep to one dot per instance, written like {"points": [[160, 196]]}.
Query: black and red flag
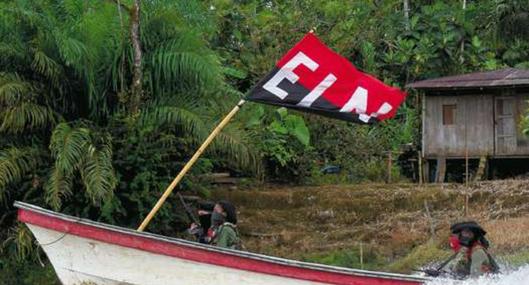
{"points": [[313, 78]]}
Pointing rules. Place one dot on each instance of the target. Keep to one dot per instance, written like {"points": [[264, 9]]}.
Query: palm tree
{"points": [[512, 18], [65, 82]]}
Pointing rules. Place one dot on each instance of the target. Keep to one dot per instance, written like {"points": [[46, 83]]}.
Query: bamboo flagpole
{"points": [[189, 164], [320, 61]]}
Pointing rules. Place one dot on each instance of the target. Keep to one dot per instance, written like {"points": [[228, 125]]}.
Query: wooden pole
{"points": [[390, 158], [466, 203], [432, 225], [419, 161], [361, 256], [466, 165], [190, 163]]}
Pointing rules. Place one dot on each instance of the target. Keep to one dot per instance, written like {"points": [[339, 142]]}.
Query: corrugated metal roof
{"points": [[497, 78]]}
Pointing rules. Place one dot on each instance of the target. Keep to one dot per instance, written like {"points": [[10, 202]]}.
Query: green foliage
{"points": [[15, 163], [67, 140], [288, 124], [442, 39], [27, 272], [516, 259], [72, 81], [281, 142], [511, 17], [524, 124], [89, 153], [352, 258], [420, 256], [20, 110]]}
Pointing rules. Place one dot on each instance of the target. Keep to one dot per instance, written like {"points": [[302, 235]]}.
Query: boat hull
{"points": [[86, 252], [77, 260]]}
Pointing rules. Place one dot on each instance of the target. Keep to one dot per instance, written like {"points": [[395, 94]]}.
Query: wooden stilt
{"points": [[419, 162], [481, 168], [466, 166], [426, 171], [441, 170], [188, 165]]}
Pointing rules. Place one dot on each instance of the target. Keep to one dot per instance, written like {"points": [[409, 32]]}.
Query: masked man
{"points": [[223, 226], [471, 258]]}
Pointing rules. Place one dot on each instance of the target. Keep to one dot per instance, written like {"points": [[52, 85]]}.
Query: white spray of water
{"points": [[519, 276]]}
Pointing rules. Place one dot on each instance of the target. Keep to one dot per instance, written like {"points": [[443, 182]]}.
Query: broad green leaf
{"points": [[235, 72], [296, 126], [255, 118], [277, 127]]}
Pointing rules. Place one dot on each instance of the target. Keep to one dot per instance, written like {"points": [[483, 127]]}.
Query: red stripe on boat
{"points": [[198, 254]]}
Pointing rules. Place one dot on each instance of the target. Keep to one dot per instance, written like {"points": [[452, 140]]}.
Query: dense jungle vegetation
{"points": [[102, 102]]}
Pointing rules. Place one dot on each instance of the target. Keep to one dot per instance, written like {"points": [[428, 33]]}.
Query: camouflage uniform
{"points": [[481, 262], [463, 265], [227, 236]]}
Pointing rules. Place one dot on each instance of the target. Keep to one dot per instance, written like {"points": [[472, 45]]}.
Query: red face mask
{"points": [[454, 243]]}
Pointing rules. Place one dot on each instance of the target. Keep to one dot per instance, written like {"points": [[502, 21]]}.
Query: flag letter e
{"points": [[287, 71]]}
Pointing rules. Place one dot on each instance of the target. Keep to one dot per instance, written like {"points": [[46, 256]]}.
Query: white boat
{"points": [[87, 252]]}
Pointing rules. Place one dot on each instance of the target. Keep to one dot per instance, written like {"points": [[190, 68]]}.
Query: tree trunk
{"points": [[136, 87], [407, 14], [462, 58]]}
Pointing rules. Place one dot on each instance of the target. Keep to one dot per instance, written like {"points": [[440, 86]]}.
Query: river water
{"points": [[518, 276]]}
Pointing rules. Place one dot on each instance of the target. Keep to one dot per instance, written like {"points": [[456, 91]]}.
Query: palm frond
{"points": [[47, 67], [72, 8], [69, 145], [26, 116], [58, 186], [21, 237], [15, 163], [78, 149], [183, 63], [73, 52], [11, 51], [19, 111], [189, 122], [234, 144], [13, 89], [98, 173]]}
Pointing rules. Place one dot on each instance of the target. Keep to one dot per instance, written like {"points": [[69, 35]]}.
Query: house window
{"points": [[449, 114]]}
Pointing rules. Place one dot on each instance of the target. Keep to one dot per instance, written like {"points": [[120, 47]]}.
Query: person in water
{"points": [[471, 257], [222, 231]]}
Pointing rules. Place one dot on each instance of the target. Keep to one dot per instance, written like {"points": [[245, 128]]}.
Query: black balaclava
{"points": [[478, 231], [466, 241], [231, 212], [217, 219]]}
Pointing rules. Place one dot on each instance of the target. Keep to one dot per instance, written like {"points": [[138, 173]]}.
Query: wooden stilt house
{"points": [[474, 115]]}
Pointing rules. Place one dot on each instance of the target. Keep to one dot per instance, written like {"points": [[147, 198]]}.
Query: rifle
{"points": [[188, 210], [439, 270]]}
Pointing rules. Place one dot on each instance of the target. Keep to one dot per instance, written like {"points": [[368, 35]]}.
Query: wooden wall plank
{"points": [[474, 120]]}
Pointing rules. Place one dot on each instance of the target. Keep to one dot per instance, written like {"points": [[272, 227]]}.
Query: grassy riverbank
{"points": [[396, 227], [389, 227]]}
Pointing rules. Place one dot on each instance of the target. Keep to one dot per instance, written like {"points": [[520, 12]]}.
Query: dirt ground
{"points": [[394, 227]]}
